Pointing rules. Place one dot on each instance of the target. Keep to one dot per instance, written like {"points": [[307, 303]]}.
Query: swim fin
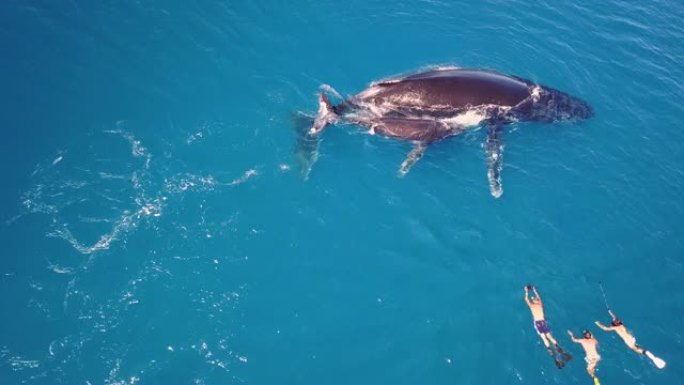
{"points": [[596, 381], [552, 353], [564, 355], [559, 364], [659, 363]]}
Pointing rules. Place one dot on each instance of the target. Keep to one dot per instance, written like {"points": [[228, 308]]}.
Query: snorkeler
{"points": [[542, 327], [619, 328], [590, 345]]}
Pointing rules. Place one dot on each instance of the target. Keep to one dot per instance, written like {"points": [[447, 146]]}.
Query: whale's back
{"points": [[448, 89]]}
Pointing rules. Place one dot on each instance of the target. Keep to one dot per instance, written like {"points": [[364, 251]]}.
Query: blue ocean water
{"points": [[156, 228]]}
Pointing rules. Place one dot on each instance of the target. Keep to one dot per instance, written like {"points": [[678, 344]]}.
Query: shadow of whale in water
{"points": [[428, 106]]}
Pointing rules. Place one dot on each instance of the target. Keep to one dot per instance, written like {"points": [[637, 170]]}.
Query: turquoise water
{"points": [[156, 229]]}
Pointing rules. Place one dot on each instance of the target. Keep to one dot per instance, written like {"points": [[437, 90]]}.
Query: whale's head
{"points": [[571, 109], [550, 105]]}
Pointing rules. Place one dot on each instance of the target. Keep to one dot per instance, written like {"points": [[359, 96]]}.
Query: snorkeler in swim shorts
{"points": [[619, 328], [542, 327]]}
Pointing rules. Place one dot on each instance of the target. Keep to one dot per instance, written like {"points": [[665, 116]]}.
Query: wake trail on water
{"points": [[56, 192], [95, 196]]}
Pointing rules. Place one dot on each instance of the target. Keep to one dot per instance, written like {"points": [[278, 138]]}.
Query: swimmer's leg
{"points": [[545, 337], [591, 368], [545, 341], [637, 348], [550, 337]]}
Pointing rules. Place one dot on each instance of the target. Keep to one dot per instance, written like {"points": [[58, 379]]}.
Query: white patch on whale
{"points": [[535, 93], [468, 118], [369, 92]]}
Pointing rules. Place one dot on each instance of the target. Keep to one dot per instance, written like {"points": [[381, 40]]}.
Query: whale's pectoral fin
{"points": [[494, 149], [413, 156]]}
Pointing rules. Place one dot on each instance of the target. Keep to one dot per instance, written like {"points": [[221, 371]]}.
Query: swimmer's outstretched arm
{"points": [[534, 289], [527, 296], [604, 327], [612, 315], [572, 337]]}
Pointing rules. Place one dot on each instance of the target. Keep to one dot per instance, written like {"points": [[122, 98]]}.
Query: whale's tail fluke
{"points": [[326, 115]]}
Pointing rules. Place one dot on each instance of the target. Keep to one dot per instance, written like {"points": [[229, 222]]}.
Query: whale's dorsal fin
{"points": [[494, 150]]}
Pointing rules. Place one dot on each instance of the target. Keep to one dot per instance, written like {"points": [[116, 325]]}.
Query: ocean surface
{"points": [[156, 228]]}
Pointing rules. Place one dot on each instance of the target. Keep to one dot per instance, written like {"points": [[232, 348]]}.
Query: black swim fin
{"points": [[559, 364], [552, 353], [564, 355]]}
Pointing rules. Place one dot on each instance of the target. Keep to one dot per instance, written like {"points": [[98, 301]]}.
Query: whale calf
{"points": [[431, 105]]}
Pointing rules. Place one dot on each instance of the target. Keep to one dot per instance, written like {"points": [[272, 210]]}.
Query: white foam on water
{"points": [[94, 220], [203, 132], [248, 174], [194, 137], [60, 269], [19, 363], [33, 201], [106, 175], [16, 362], [137, 149], [184, 182], [133, 192], [127, 221], [50, 196]]}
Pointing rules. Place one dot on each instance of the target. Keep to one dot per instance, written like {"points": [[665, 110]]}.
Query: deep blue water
{"points": [[156, 229]]}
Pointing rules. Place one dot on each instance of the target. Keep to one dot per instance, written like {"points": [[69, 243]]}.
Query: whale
{"points": [[434, 104]]}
